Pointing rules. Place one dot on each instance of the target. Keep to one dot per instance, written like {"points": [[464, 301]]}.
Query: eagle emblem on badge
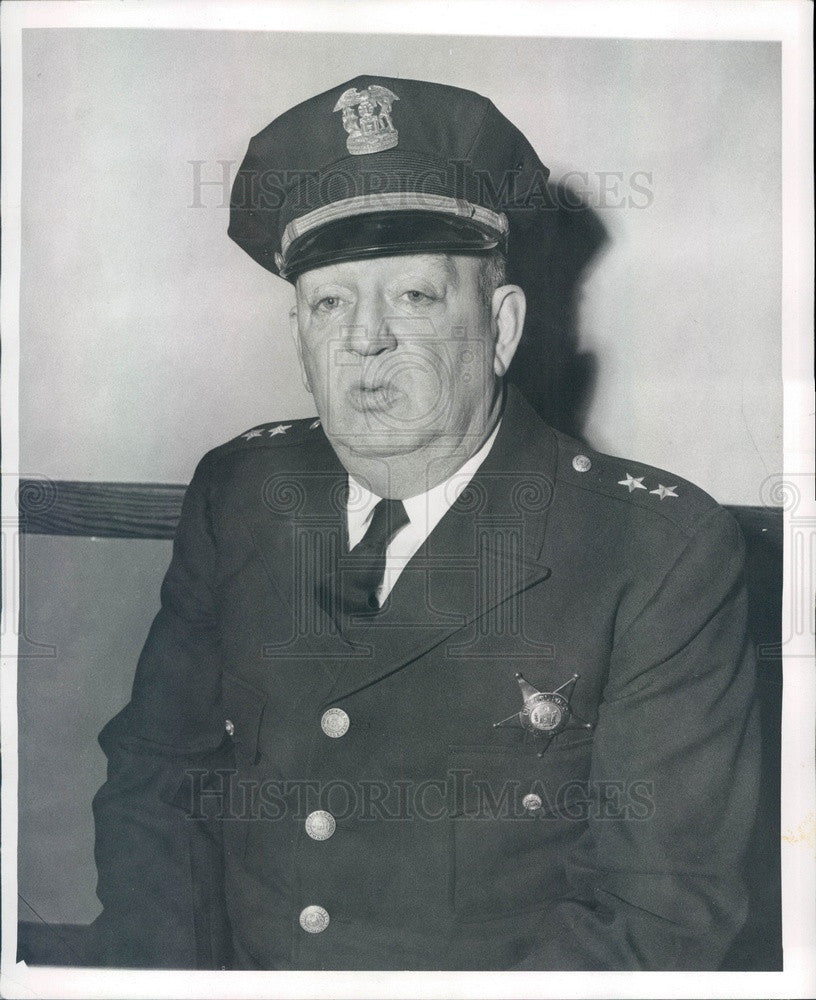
{"points": [[367, 119]]}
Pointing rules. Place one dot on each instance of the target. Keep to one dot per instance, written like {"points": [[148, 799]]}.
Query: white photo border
{"points": [[786, 21]]}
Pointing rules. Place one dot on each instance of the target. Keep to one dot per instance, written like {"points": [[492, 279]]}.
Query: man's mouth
{"points": [[371, 396]]}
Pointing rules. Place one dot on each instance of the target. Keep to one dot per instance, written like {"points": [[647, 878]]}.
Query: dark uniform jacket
{"points": [[555, 561]]}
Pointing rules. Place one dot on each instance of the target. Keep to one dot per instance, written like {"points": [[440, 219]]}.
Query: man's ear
{"points": [[508, 308], [294, 331]]}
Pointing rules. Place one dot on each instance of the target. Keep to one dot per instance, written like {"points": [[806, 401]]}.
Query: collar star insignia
{"points": [[280, 429], [632, 483], [545, 714], [664, 491], [253, 434]]}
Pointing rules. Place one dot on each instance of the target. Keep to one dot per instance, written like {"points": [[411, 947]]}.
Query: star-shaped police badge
{"points": [[545, 714]]}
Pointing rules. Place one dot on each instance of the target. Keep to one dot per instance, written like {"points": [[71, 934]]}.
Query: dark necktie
{"points": [[352, 589]]}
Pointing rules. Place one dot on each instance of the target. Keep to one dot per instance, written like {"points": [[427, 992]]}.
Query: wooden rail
{"points": [[99, 510]]}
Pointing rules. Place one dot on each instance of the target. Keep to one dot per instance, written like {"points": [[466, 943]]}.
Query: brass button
{"points": [[581, 463], [335, 723], [314, 919], [320, 825], [229, 725], [532, 802]]}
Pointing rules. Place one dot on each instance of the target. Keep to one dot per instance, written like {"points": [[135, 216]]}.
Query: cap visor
{"points": [[385, 234]]}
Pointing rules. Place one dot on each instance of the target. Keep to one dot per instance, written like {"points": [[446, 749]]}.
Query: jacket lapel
{"points": [[299, 529]]}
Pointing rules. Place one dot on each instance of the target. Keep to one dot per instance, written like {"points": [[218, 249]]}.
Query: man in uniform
{"points": [[432, 685]]}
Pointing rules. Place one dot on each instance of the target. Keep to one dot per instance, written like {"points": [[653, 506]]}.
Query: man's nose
{"points": [[370, 330]]}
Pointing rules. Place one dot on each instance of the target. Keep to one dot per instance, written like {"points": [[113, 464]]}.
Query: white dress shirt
{"points": [[425, 511]]}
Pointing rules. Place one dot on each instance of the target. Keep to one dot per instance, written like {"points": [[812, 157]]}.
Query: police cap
{"points": [[380, 166]]}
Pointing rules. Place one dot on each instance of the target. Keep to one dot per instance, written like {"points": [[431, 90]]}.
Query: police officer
{"points": [[432, 685]]}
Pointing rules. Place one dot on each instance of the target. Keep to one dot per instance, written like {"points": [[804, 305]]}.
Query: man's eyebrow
{"points": [[450, 269]]}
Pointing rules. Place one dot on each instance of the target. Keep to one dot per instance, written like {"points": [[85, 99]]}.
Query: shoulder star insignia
{"points": [[664, 491], [314, 425], [632, 483], [280, 429], [253, 434], [545, 713]]}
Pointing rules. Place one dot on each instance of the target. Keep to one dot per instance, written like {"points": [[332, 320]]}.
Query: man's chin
{"points": [[378, 442], [380, 445]]}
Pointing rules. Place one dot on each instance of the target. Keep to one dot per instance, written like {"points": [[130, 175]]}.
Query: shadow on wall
{"points": [[549, 257]]}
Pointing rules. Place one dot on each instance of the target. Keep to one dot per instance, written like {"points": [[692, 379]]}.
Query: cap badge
{"points": [[367, 119]]}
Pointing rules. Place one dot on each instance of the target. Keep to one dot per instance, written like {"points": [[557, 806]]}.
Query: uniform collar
{"points": [[425, 510]]}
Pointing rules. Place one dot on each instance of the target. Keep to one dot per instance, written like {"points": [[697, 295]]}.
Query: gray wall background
{"points": [[148, 337]]}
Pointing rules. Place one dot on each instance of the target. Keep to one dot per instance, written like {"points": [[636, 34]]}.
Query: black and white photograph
{"points": [[408, 507]]}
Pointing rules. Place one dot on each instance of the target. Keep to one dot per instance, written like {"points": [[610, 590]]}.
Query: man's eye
{"points": [[415, 296], [328, 303]]}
